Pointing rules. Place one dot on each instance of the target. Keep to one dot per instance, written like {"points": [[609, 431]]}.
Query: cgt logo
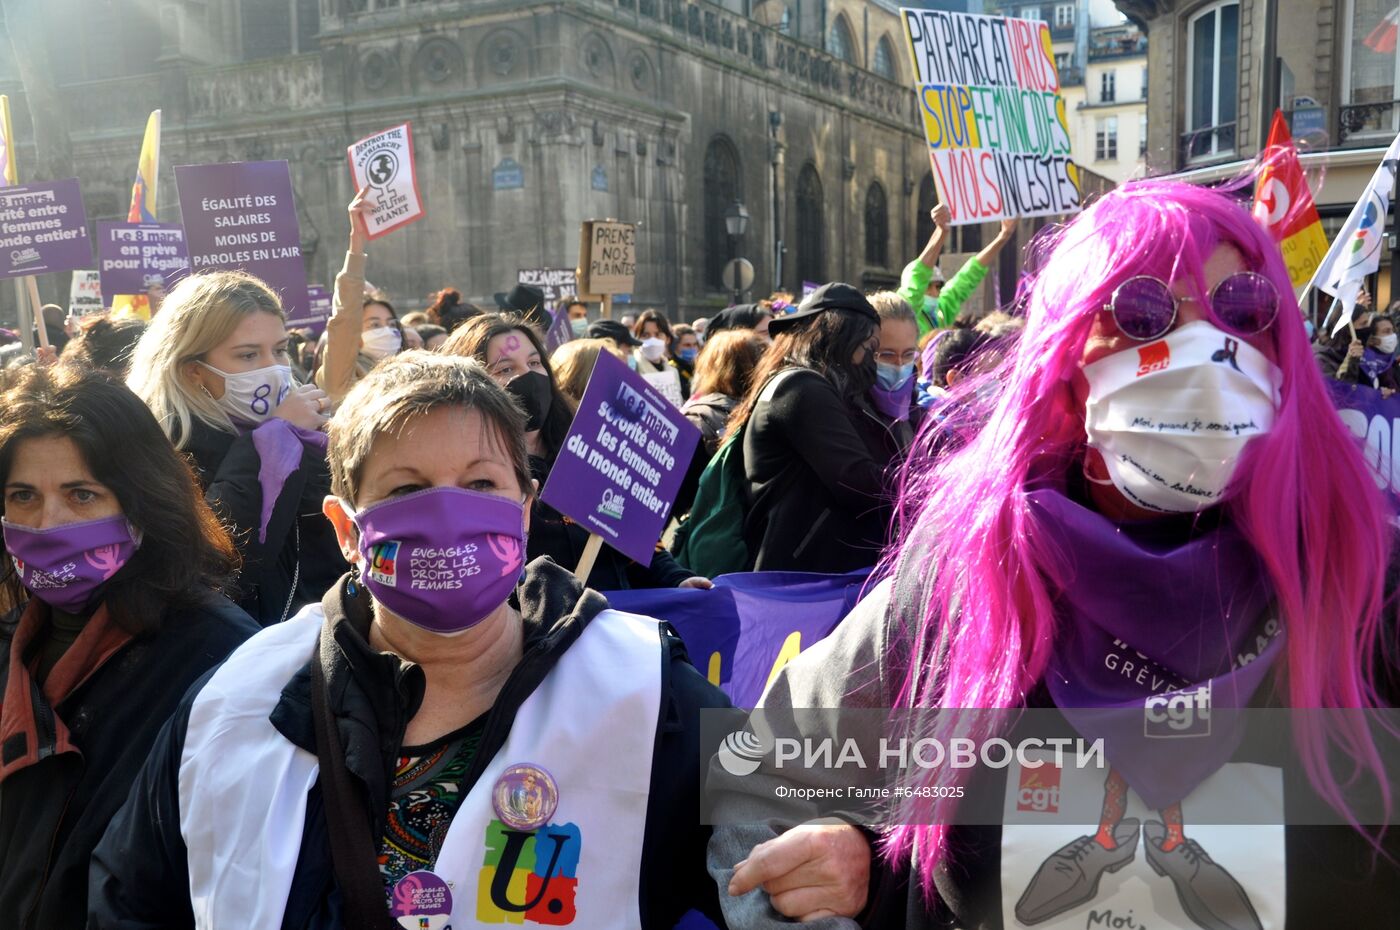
{"points": [[1154, 357], [1178, 713], [1039, 791]]}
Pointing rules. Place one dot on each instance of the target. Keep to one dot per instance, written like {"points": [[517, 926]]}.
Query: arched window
{"points": [[840, 43], [721, 189], [811, 221], [883, 63], [927, 201], [877, 226]]}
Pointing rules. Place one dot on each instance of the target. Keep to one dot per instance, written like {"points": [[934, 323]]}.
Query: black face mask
{"points": [[864, 375], [535, 394]]}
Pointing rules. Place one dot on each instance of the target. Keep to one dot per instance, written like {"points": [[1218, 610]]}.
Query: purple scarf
{"points": [[279, 446], [1159, 628], [1375, 363], [894, 404]]}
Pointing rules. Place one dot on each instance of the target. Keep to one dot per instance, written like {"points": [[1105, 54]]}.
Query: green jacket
{"points": [[913, 287]]}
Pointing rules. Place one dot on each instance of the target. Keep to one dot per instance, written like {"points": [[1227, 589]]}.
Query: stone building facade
{"points": [[528, 117]]}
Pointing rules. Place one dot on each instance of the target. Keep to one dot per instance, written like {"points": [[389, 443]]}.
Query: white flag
{"points": [[1356, 252]]}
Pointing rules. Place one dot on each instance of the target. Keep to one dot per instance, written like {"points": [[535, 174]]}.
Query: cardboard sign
{"points": [[243, 216], [623, 461], [43, 228], [667, 384], [557, 283], [134, 256], [607, 257], [997, 132], [315, 318], [384, 163], [85, 293]]}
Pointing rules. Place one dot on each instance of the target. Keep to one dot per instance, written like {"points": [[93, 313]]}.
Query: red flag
{"points": [[1382, 38], [1284, 205]]}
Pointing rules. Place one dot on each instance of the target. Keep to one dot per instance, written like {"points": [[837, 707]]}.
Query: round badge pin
{"points": [[525, 796], [422, 901]]}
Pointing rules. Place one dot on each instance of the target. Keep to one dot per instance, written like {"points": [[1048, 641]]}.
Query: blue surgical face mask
{"points": [[580, 327], [688, 355], [893, 377]]}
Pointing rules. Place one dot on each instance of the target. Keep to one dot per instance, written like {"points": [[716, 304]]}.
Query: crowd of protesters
{"points": [[221, 711]]}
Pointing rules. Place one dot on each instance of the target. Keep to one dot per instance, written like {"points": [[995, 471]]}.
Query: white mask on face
{"points": [[381, 342], [1387, 343], [1172, 417], [251, 396], [653, 349]]}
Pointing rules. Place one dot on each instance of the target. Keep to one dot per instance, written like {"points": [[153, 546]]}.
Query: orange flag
{"points": [[1283, 203]]}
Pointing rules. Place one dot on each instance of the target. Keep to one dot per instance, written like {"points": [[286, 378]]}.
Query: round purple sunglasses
{"points": [[1144, 307]]}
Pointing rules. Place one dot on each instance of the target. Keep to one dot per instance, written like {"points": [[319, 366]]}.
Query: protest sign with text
{"points": [[557, 283], [623, 461], [85, 293], [383, 162], [607, 257], [43, 228], [995, 122], [134, 256], [243, 216]]}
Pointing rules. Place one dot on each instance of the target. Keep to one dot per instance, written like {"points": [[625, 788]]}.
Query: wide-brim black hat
{"points": [[612, 329], [833, 296], [524, 299]]}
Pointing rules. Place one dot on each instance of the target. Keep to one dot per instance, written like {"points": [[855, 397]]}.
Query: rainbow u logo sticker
{"points": [[529, 876]]}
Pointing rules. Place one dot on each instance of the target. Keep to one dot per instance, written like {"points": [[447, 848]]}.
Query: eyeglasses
{"points": [[1144, 308], [889, 357]]}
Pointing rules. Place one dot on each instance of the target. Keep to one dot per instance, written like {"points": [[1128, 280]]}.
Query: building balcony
{"points": [[1208, 144], [1120, 48], [1071, 77], [1368, 122], [1061, 33]]}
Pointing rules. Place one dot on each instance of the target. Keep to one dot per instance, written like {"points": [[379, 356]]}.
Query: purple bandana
{"points": [[66, 566], [280, 444], [894, 404], [1375, 363], [442, 559], [1156, 633]]}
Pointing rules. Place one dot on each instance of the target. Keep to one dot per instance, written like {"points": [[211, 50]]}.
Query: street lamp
{"points": [[736, 223]]}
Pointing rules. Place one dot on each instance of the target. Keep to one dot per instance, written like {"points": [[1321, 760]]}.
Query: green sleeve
{"points": [[951, 297], [913, 287]]}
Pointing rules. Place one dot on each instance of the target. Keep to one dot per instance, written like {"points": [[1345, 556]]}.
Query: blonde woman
{"points": [[213, 368], [573, 364]]}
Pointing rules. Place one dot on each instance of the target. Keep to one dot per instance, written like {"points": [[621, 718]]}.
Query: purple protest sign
{"points": [[243, 216], [1375, 420], [623, 461], [134, 256], [43, 228], [315, 318]]}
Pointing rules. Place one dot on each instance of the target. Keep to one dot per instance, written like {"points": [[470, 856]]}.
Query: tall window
{"points": [[1371, 75], [1064, 14], [1108, 82], [811, 219], [840, 43], [1142, 136], [267, 28], [1144, 82], [1029, 12], [1106, 138], [923, 229], [721, 189], [883, 64], [1212, 79], [877, 226]]}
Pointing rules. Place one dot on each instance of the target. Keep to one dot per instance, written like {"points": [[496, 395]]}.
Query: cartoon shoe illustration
{"points": [[1209, 894], [1070, 876]]}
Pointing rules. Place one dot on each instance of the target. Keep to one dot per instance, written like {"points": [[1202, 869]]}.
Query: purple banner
{"points": [[243, 216], [134, 256], [627, 451], [1375, 420], [320, 311], [43, 228]]}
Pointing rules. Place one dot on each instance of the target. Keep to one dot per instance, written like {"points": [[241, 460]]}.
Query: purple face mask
{"points": [[443, 559], [66, 566]]}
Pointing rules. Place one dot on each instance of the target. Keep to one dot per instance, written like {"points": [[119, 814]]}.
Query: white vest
{"points": [[591, 724]]}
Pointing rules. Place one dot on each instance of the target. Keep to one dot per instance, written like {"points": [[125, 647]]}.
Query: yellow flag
{"points": [[143, 210]]}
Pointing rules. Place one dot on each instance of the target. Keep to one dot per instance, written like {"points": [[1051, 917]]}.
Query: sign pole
{"points": [[590, 555], [26, 324], [607, 306], [33, 287]]}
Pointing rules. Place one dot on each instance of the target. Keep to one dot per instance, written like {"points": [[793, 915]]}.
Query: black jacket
{"points": [[52, 813], [559, 538], [815, 484], [301, 544], [139, 877]]}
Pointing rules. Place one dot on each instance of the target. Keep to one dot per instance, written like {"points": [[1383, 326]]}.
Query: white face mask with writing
{"points": [[1172, 417], [251, 396]]}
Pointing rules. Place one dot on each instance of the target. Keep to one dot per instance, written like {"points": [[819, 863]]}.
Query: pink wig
{"points": [[1302, 495]]}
